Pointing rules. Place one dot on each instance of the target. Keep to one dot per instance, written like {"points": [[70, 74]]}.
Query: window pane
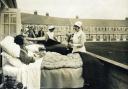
{"points": [[6, 29], [12, 29], [6, 18], [12, 18]]}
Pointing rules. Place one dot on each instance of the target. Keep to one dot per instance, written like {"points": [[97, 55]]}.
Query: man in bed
{"points": [[20, 40]]}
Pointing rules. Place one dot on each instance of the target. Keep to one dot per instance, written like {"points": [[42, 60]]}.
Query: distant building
{"points": [[10, 19], [95, 29]]}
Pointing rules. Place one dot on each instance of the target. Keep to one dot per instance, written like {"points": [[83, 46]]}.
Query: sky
{"points": [[85, 9]]}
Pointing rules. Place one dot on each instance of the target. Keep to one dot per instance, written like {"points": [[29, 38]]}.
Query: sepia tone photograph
{"points": [[63, 44]]}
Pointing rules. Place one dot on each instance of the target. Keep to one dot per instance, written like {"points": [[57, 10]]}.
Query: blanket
{"points": [[23, 73], [53, 60], [61, 71]]}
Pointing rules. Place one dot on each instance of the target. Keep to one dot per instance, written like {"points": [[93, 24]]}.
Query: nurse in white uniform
{"points": [[78, 39], [91, 65]]}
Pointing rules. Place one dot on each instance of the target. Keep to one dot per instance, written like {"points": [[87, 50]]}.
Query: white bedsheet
{"points": [[29, 75], [62, 78]]}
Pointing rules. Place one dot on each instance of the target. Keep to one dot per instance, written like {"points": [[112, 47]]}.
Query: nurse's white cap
{"points": [[78, 23], [51, 27]]}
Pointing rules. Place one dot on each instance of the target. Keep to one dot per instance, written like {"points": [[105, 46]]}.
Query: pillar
{"points": [[94, 37]]}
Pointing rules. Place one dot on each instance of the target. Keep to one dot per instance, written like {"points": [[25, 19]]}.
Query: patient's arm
{"points": [[25, 58]]}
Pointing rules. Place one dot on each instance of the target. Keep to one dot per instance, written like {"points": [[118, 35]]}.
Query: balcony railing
{"points": [[61, 38]]}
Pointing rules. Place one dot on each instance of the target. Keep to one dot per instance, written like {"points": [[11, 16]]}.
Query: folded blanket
{"points": [[54, 60]]}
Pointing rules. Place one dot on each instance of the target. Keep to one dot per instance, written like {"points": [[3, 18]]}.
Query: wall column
{"points": [[94, 37], [117, 37], [101, 37], [124, 37]]}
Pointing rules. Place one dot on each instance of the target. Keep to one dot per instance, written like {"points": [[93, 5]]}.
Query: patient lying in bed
{"points": [[26, 54], [24, 71], [24, 57], [56, 69]]}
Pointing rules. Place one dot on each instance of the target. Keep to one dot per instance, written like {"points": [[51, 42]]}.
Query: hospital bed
{"points": [[51, 71]]}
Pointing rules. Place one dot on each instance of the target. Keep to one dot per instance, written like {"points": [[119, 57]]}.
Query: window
{"points": [[96, 28], [99, 29], [87, 36], [105, 29], [102, 28], [114, 29], [9, 23], [118, 28], [126, 37], [126, 29]]}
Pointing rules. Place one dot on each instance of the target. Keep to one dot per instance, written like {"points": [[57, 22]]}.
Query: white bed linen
{"points": [[53, 77], [62, 78], [29, 75]]}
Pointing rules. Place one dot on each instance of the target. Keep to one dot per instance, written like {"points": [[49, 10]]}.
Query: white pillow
{"points": [[10, 47], [7, 39], [7, 59]]}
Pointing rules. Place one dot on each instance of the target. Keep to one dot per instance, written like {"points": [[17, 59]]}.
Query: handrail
{"points": [[124, 66]]}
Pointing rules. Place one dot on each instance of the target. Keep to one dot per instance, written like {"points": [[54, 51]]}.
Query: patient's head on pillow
{"points": [[19, 39]]}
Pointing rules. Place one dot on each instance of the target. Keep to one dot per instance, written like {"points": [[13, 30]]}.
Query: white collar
{"points": [[79, 32]]}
